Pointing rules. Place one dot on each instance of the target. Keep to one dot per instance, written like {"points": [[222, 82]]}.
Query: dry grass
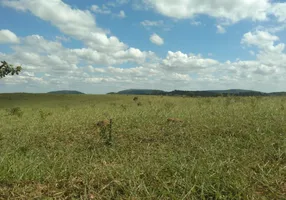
{"points": [[226, 148]]}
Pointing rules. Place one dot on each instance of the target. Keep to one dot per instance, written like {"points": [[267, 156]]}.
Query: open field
{"points": [[225, 148]]}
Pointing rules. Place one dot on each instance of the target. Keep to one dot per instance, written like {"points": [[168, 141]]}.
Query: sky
{"points": [[101, 46]]}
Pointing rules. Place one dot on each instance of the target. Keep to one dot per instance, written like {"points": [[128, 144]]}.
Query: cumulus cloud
{"points": [[178, 61], [96, 57], [263, 40], [6, 37], [231, 11], [26, 79], [37, 43], [279, 11], [81, 25], [73, 22], [156, 39]]}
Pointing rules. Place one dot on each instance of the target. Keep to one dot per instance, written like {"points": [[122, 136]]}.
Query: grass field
{"points": [[225, 148]]}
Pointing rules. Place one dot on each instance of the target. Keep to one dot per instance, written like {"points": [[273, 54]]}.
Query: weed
{"points": [[135, 99], [105, 126], [44, 114], [124, 107], [16, 111]]}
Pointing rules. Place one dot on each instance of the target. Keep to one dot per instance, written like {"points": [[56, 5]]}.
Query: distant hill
{"points": [[65, 92], [231, 91], [203, 93], [141, 92]]}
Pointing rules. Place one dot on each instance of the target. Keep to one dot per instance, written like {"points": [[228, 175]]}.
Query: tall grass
{"points": [[225, 148]]}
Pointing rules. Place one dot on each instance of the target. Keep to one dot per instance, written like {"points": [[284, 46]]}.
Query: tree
{"points": [[6, 69]]}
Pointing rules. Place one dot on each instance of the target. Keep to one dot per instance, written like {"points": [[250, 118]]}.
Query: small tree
{"points": [[6, 69]]}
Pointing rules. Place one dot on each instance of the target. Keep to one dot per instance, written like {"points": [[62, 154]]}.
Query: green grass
{"points": [[226, 148]]}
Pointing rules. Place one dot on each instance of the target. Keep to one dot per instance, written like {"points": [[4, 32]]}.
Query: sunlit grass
{"points": [[223, 148]]}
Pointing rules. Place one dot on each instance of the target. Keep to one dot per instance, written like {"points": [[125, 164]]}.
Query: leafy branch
{"points": [[6, 69]]}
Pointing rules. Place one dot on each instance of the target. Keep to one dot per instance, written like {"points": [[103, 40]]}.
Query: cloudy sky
{"points": [[100, 46]]}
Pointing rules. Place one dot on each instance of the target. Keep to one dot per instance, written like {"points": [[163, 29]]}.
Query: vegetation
{"points": [[8, 69], [141, 92], [206, 93], [51, 146]]}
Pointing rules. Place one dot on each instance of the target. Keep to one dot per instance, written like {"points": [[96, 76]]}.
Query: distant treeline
{"points": [[207, 93]]}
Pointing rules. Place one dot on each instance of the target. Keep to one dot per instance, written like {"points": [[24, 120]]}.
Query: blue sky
{"points": [[103, 46]]}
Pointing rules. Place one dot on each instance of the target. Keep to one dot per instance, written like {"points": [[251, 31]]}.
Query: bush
{"points": [[16, 111]]}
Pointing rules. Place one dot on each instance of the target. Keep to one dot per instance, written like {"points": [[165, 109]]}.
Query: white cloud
{"points": [[103, 10], [273, 28], [171, 72], [220, 29], [252, 52], [95, 57], [92, 69], [178, 61], [174, 76], [156, 39], [148, 23], [100, 80], [195, 23], [81, 25], [279, 11], [36, 43], [117, 3], [266, 70], [73, 22], [121, 14], [26, 79], [37, 54], [263, 40], [231, 11], [6, 37], [62, 38]]}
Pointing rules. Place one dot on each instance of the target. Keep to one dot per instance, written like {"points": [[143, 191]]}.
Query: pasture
{"points": [[220, 148]]}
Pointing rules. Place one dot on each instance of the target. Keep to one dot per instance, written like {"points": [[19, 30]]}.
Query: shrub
{"points": [[44, 114], [16, 111]]}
